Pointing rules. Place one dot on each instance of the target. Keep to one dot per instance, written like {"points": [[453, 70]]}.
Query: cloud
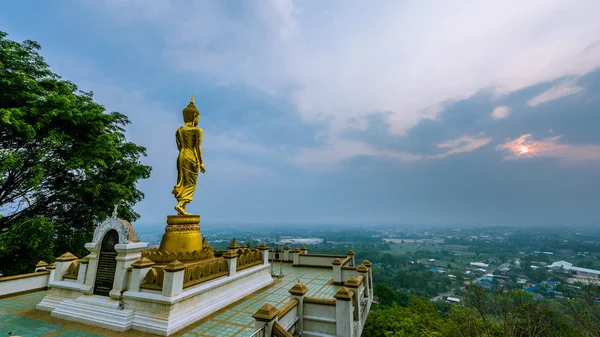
{"points": [[405, 58], [335, 151], [524, 147], [500, 112], [553, 93], [462, 144], [338, 150]]}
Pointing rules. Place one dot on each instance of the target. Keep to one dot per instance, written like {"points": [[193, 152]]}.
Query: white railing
{"points": [[259, 333]]}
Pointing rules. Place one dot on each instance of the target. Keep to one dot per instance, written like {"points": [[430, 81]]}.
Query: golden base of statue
{"points": [[181, 241]]}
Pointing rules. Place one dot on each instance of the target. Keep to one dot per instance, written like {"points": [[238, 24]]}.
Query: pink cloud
{"points": [[525, 147]]}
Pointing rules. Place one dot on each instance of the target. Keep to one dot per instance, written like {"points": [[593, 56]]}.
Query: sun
{"points": [[524, 149]]}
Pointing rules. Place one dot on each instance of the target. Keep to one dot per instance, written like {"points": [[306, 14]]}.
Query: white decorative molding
{"points": [[112, 223]]}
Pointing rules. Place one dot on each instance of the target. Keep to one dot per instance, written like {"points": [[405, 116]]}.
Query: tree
{"points": [[24, 244], [387, 296], [62, 156]]}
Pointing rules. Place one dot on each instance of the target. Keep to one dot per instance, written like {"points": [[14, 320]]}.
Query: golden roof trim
{"points": [[298, 289], [280, 331], [351, 282], [287, 308], [367, 263], [23, 276], [85, 259], [337, 262], [174, 266], [344, 294], [41, 264], [362, 269], [230, 254], [266, 313], [143, 262], [51, 266], [323, 301], [350, 252], [66, 257]]}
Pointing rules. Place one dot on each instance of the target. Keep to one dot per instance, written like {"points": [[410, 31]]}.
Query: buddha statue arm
{"points": [[178, 140], [201, 161]]}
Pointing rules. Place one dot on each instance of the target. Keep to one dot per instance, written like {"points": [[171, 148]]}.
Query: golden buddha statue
{"points": [[189, 161]]}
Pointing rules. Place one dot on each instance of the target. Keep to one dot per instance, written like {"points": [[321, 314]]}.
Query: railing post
{"points": [[173, 279], [83, 266], [352, 284], [231, 259], [337, 271], [264, 250], [41, 266], [298, 291], [265, 317], [62, 264], [286, 253], [138, 274], [296, 256], [344, 324], [368, 264], [351, 254], [52, 268], [304, 250], [364, 271]]}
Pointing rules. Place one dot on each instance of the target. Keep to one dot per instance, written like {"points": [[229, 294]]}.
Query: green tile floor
{"points": [[235, 320]]}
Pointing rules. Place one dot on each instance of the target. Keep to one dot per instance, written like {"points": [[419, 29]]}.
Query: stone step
{"points": [[306, 333], [99, 311], [320, 319]]}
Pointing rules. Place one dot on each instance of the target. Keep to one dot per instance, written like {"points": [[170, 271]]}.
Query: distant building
{"points": [[479, 264], [532, 288], [583, 275], [453, 300], [485, 284]]}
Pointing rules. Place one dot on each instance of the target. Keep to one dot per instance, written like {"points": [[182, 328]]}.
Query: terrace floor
{"points": [[19, 316]]}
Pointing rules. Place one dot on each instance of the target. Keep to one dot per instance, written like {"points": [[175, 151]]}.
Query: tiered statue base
{"points": [[182, 241]]}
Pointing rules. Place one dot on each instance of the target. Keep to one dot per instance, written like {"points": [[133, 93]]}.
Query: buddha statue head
{"points": [[191, 113]]}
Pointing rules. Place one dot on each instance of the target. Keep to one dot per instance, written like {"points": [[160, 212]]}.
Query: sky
{"points": [[347, 112]]}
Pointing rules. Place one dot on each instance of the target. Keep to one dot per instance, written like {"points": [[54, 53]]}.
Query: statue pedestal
{"points": [[182, 241], [182, 235]]}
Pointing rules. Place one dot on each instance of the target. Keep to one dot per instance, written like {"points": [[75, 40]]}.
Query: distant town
{"points": [[544, 262]]}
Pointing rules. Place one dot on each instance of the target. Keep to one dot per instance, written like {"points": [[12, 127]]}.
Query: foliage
{"points": [[504, 313], [419, 319], [61, 155], [24, 244]]}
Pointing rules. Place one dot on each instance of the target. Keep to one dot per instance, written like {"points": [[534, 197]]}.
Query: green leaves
{"points": [[62, 156], [25, 243]]}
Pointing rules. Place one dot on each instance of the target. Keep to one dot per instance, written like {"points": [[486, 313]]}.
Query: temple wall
{"points": [[14, 285], [315, 260], [289, 317], [348, 273]]}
